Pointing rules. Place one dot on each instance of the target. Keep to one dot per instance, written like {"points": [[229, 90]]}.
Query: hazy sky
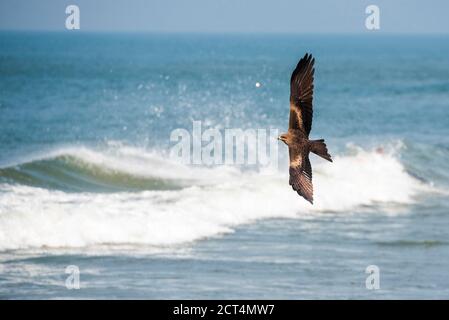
{"points": [[289, 16]]}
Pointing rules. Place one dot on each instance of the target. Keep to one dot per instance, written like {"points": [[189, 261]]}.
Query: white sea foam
{"points": [[216, 200]]}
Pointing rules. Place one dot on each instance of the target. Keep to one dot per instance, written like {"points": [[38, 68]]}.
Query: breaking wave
{"points": [[53, 201]]}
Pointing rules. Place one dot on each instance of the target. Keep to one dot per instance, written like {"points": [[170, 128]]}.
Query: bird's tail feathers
{"points": [[319, 148]]}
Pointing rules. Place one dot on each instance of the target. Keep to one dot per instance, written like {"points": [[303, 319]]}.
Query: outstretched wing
{"points": [[301, 95], [301, 173]]}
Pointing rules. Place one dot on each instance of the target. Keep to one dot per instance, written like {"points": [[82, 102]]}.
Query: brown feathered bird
{"points": [[300, 123]]}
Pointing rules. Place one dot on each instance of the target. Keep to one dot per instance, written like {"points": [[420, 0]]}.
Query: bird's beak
{"points": [[279, 138]]}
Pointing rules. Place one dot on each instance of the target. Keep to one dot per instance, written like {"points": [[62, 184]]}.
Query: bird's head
{"points": [[283, 137]]}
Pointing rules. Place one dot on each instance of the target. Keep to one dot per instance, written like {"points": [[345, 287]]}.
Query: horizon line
{"points": [[231, 33]]}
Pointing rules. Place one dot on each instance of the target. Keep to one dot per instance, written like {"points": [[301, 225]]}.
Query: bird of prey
{"points": [[300, 123]]}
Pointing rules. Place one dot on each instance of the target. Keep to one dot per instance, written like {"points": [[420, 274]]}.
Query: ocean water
{"points": [[85, 180]]}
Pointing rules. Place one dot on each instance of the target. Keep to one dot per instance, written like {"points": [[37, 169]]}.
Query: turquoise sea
{"points": [[85, 180]]}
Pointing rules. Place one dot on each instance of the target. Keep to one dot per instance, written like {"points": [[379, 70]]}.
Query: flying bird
{"points": [[300, 124]]}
